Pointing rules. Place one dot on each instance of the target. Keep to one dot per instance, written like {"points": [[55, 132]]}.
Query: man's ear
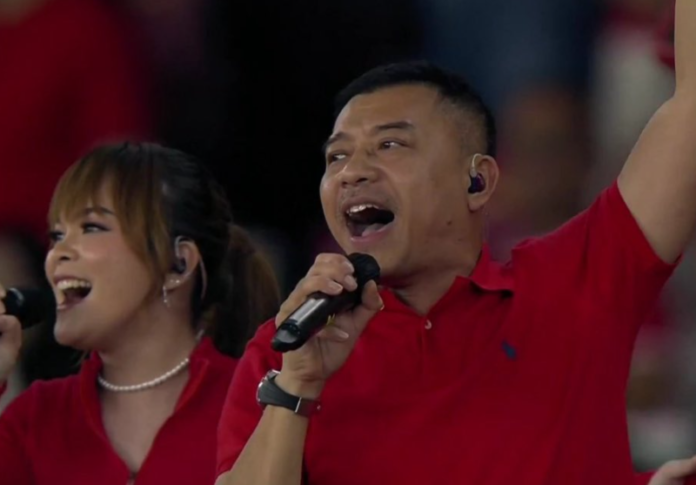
{"points": [[481, 179]]}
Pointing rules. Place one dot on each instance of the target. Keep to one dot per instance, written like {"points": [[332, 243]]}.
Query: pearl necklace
{"points": [[145, 385]]}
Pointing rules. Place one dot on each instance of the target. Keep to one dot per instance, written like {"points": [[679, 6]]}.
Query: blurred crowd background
{"points": [[248, 86]]}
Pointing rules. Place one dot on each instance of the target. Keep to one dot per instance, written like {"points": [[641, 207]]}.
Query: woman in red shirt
{"points": [[154, 280]]}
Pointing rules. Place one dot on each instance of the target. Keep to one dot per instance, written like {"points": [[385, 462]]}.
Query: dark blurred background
{"points": [[248, 87]]}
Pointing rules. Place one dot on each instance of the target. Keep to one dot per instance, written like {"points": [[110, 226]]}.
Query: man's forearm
{"points": [[658, 182], [273, 455]]}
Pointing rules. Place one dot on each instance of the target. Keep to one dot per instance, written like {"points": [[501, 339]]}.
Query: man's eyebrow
{"points": [[392, 125]]}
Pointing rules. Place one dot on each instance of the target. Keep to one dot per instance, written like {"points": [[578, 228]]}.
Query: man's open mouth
{"points": [[365, 219]]}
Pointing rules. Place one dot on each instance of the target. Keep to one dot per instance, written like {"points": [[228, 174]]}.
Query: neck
{"points": [[422, 290], [148, 356]]}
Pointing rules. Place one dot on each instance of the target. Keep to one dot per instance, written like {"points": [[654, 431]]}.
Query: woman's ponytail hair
{"points": [[250, 295]]}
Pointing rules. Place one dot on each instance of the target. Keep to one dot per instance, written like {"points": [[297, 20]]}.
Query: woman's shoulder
{"points": [[31, 405], [51, 390]]}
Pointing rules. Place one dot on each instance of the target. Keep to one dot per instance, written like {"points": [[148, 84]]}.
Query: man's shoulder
{"points": [[259, 347], [265, 332]]}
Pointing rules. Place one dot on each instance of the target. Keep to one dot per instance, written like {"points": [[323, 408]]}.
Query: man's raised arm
{"points": [[658, 181]]}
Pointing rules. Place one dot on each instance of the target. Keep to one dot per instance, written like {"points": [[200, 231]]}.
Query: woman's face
{"points": [[101, 285]]}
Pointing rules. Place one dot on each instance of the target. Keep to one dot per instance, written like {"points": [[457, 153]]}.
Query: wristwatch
{"points": [[270, 394]]}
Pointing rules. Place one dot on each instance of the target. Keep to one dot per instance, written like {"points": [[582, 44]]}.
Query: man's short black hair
{"points": [[451, 87]]}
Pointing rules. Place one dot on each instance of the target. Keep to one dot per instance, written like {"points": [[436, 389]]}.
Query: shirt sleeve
{"points": [[241, 413], [14, 424], [602, 259]]}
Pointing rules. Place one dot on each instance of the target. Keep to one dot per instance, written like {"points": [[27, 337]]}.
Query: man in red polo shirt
{"points": [[460, 370]]}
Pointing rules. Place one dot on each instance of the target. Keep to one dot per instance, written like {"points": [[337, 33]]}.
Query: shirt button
{"points": [[428, 324]]}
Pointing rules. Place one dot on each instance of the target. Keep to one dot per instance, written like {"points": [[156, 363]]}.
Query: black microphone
{"points": [[30, 305], [313, 314]]}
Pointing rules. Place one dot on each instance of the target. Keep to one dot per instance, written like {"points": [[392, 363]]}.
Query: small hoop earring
{"points": [[165, 296]]}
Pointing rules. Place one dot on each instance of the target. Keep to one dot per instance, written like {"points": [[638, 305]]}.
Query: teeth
{"points": [[358, 208], [70, 284]]}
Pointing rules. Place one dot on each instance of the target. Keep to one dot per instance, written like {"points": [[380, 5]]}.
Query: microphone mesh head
{"points": [[366, 268]]}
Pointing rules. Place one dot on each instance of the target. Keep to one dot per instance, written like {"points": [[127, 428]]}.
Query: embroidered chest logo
{"points": [[510, 351]]}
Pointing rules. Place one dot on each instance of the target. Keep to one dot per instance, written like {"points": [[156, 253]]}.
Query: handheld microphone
{"points": [[31, 306], [313, 314]]}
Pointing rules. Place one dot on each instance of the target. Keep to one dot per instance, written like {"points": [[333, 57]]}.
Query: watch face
{"points": [[269, 375], [258, 391], [269, 394]]}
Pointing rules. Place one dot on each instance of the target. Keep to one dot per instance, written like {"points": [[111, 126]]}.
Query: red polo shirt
{"points": [[516, 376], [53, 432]]}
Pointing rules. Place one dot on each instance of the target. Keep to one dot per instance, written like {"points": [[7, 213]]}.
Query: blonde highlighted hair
{"points": [[159, 194]]}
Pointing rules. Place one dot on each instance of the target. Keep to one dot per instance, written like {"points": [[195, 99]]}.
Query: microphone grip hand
{"points": [[306, 369], [310, 318]]}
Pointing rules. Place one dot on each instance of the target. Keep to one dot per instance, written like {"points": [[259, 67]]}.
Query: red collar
{"points": [[490, 275], [487, 276], [204, 351], [201, 359]]}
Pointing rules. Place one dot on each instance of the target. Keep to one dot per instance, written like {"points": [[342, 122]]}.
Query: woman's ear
{"points": [[187, 257]]}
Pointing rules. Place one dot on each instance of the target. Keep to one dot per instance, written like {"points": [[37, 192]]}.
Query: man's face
{"points": [[396, 179]]}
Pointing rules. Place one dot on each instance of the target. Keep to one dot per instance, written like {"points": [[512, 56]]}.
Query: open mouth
{"points": [[73, 291], [366, 219]]}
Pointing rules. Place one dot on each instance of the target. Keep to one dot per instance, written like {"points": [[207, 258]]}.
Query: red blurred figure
{"points": [[69, 81]]}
